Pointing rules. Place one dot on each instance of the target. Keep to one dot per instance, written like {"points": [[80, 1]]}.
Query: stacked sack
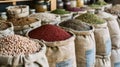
{"points": [[102, 38], [60, 45], [84, 42], [115, 37]]}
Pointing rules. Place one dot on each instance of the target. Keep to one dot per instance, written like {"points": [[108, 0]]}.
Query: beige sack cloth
{"points": [[103, 61], [115, 58], [113, 27], [22, 30], [84, 48], [61, 53], [8, 31], [102, 38], [32, 60]]}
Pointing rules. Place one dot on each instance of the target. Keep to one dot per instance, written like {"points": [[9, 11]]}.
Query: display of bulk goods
{"points": [[65, 15], [6, 28], [19, 51], [113, 26], [17, 11], [114, 9], [77, 10], [47, 18], [22, 25], [103, 61], [100, 4], [115, 58], [84, 42], [101, 32], [60, 45]]}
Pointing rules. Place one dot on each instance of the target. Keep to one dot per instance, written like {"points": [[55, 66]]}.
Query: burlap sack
{"points": [[103, 61], [32, 60], [102, 38], [113, 27], [84, 48], [17, 11], [22, 30], [61, 53], [115, 58], [7, 31]]}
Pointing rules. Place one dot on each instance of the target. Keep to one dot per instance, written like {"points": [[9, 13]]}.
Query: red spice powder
{"points": [[49, 33]]}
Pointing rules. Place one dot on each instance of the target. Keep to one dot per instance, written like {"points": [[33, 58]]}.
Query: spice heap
{"points": [[44, 16], [114, 10], [90, 18], [49, 33], [60, 11], [13, 45], [22, 21], [76, 25], [4, 25], [76, 9], [98, 4]]}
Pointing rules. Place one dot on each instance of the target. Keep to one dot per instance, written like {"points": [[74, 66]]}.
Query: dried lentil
{"points": [[49, 33], [90, 18], [60, 11], [22, 21], [76, 25], [13, 45], [4, 25]]}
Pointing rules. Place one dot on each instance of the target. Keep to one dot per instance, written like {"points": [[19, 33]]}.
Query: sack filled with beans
{"points": [[19, 51], [101, 32], [84, 41], [60, 45], [6, 28], [22, 25]]}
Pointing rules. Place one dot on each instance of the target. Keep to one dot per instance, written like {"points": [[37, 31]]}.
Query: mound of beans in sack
{"points": [[49, 33]]}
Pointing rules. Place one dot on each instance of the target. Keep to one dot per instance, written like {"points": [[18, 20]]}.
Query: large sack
{"points": [[84, 48], [115, 58], [61, 53], [32, 60], [7, 31], [113, 27], [102, 38], [103, 61]]}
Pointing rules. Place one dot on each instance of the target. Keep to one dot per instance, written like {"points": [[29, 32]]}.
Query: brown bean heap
{"points": [[13, 45], [22, 21], [4, 25]]}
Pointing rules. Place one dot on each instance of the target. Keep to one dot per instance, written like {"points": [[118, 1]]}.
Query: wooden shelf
{"points": [[13, 1]]}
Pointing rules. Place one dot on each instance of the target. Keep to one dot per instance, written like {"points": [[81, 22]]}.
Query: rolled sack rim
{"points": [[88, 32], [24, 58], [55, 43], [103, 25]]}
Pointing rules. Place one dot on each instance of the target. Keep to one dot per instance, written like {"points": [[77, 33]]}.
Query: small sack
{"points": [[115, 58], [102, 38], [8, 31], [61, 53], [103, 61], [32, 60], [22, 30]]}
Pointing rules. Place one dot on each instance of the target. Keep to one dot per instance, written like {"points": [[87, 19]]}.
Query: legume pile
{"points": [[76, 25], [60, 11], [90, 18], [49, 33], [76, 9], [44, 16], [114, 10], [13, 45], [22, 21], [4, 25]]}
